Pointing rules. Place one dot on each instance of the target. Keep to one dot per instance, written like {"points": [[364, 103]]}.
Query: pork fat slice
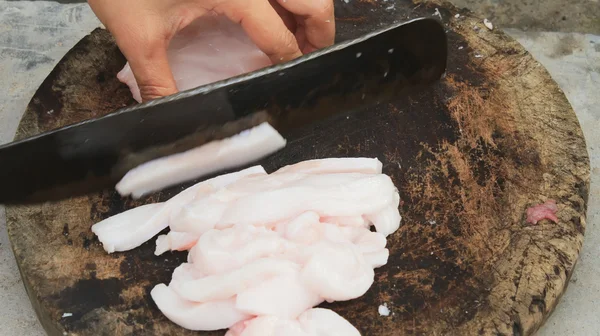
{"points": [[265, 249], [313, 322], [134, 227], [243, 148]]}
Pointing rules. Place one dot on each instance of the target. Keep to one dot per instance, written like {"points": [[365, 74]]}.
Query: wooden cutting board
{"points": [[469, 156]]}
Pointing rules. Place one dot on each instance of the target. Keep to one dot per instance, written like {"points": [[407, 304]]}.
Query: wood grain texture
{"points": [[469, 156]]}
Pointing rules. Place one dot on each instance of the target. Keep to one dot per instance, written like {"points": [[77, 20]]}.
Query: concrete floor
{"points": [[578, 16], [564, 37]]}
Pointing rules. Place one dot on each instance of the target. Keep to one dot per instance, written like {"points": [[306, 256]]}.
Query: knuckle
{"points": [[288, 42], [150, 91], [285, 48]]}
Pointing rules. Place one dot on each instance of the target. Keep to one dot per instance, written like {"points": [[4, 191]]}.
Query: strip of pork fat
{"points": [[175, 241], [271, 247], [238, 150], [316, 321], [132, 228]]}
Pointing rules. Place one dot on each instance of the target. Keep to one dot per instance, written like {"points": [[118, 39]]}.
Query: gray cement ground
{"points": [[35, 35], [578, 16]]}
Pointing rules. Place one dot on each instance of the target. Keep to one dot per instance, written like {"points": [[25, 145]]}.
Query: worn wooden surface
{"points": [[469, 156]]}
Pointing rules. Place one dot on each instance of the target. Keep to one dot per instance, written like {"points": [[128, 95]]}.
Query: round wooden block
{"points": [[469, 155]]}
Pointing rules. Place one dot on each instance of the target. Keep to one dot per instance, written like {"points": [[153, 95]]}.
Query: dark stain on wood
{"points": [[469, 156], [87, 295]]}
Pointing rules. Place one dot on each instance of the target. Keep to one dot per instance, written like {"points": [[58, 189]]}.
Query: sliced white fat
{"points": [[267, 326], [335, 165], [369, 242], [238, 150], [350, 221], [268, 247], [313, 322], [320, 321], [337, 272], [288, 195], [220, 251], [132, 228], [121, 232], [283, 296], [227, 285], [175, 241], [185, 272], [360, 195], [386, 221], [214, 315], [377, 259]]}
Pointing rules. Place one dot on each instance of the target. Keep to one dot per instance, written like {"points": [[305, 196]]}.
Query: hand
{"points": [[282, 29]]}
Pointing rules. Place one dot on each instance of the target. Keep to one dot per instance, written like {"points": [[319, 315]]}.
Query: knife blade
{"points": [[95, 154]]}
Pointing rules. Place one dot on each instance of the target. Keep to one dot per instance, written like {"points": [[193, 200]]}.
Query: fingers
{"points": [[266, 29], [287, 17], [145, 47], [318, 23], [152, 71], [142, 32]]}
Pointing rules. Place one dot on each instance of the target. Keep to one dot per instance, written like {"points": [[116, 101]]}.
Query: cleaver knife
{"points": [[95, 154]]}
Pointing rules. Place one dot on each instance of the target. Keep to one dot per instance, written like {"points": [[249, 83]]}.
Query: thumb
{"points": [[150, 66], [143, 35]]}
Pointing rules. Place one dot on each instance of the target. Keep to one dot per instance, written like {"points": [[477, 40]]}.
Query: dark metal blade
{"points": [[95, 154]]}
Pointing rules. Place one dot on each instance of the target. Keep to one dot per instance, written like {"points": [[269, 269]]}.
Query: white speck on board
{"points": [[67, 314], [383, 310], [488, 24]]}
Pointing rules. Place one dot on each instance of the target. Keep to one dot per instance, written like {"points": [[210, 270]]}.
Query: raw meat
{"points": [[220, 251], [337, 271], [338, 165], [213, 315], [132, 228], [175, 241], [210, 49], [542, 211], [313, 322], [354, 195], [129, 229], [245, 147], [225, 285], [265, 249]]}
